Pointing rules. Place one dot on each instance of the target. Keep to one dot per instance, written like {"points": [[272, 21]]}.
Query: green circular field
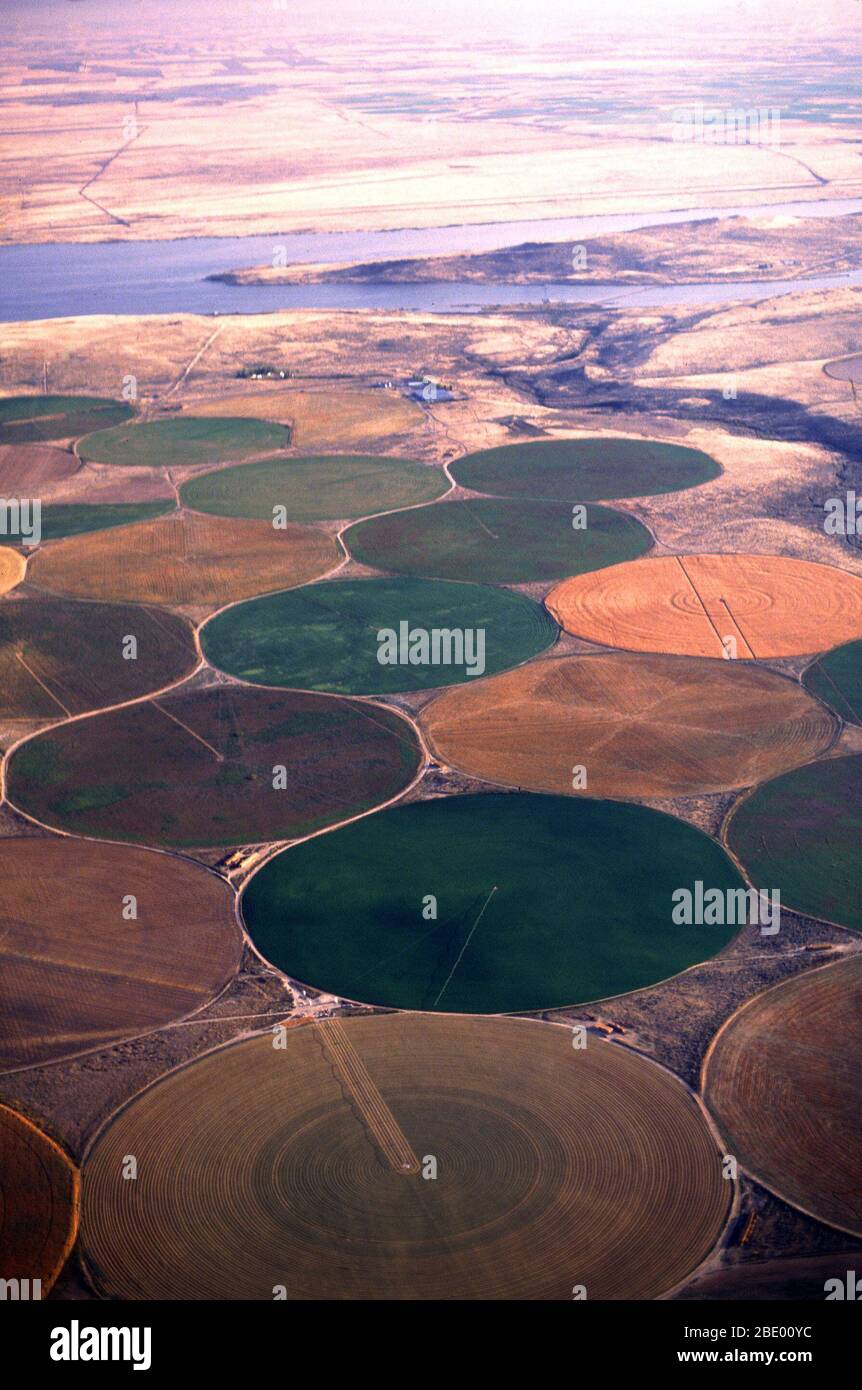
{"points": [[836, 679], [497, 541], [541, 901], [28, 419], [327, 636], [323, 488], [585, 470], [801, 834], [183, 440]]}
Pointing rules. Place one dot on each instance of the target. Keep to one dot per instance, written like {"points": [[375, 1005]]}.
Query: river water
{"points": [[164, 277]]}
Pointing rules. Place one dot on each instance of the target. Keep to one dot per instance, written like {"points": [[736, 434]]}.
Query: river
{"points": [[61, 280]]}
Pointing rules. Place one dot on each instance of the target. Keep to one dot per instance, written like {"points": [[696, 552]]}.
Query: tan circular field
{"points": [[184, 559], [639, 725], [27, 470], [554, 1167], [38, 1204], [782, 1081], [75, 974], [12, 568], [766, 605]]}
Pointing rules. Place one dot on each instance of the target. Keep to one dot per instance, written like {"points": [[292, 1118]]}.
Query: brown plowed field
{"points": [[78, 975], [555, 1167], [59, 657], [184, 559], [27, 470], [11, 569], [782, 1081], [38, 1203], [640, 725], [770, 605], [196, 769]]}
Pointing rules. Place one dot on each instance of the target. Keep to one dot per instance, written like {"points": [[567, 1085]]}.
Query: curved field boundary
{"points": [[182, 440], [753, 606], [596, 469], [497, 540], [640, 726], [324, 487], [184, 559], [210, 759], [13, 567], [488, 903], [141, 939], [328, 636], [845, 369], [30, 419], [28, 470], [836, 679], [39, 1202], [801, 833], [781, 1081], [555, 1167], [60, 657]]}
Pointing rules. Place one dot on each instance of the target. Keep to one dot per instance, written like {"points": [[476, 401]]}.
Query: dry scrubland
{"points": [[164, 138]]}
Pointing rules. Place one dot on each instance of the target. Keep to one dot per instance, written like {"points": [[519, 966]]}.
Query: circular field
{"points": [[782, 1082], [197, 768], [12, 568], [496, 541], [639, 725], [801, 834], [184, 559], [59, 657], [27, 469], [585, 470], [328, 487], [28, 419], [845, 369], [541, 902], [325, 636], [181, 441], [764, 605], [555, 1167], [38, 1203], [84, 976], [836, 679]]}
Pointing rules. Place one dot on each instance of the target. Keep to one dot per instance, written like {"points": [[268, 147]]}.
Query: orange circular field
{"points": [[767, 604], [75, 974], [782, 1081], [639, 725], [184, 559], [38, 1204], [12, 569]]}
